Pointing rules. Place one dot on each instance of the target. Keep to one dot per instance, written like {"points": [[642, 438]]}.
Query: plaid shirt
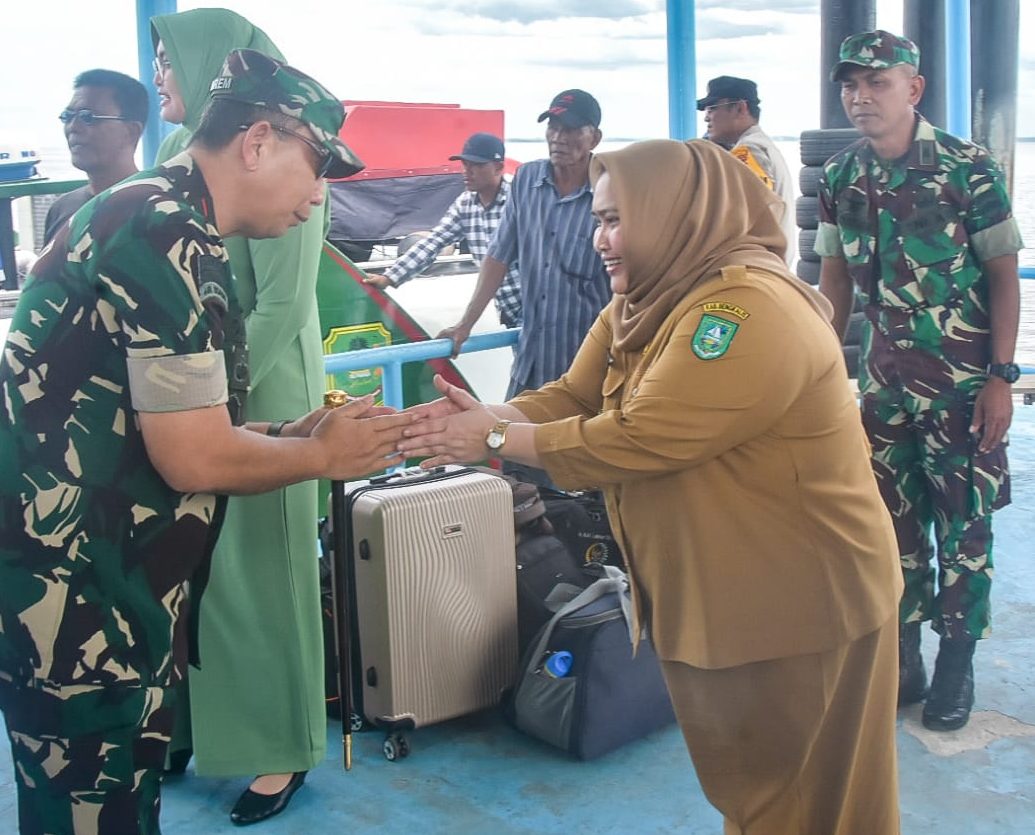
{"points": [[466, 219]]}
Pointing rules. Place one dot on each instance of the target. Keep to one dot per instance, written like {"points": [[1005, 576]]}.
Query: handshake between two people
{"points": [[452, 429]]}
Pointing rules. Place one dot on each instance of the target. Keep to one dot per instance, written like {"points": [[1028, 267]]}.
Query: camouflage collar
{"points": [[186, 177]]}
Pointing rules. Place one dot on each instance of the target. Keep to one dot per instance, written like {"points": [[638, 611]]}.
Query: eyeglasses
{"points": [[161, 66], [324, 158], [711, 108], [88, 117]]}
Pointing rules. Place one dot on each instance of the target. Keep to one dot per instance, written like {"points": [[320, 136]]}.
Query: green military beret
{"points": [[255, 78], [875, 50]]}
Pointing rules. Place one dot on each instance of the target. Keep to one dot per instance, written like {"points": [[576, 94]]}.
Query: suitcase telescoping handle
{"points": [[340, 585], [405, 476]]}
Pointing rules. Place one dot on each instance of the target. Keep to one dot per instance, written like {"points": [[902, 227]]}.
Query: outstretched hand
{"points": [[452, 429], [361, 438]]}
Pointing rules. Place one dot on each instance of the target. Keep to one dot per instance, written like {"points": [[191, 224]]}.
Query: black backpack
{"points": [[579, 520], [546, 570]]}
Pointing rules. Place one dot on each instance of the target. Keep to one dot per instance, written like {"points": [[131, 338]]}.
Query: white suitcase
{"points": [[431, 557]]}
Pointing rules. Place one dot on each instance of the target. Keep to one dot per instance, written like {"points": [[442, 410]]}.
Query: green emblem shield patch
{"points": [[713, 337]]}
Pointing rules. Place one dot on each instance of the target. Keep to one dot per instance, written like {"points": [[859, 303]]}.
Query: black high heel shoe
{"points": [[252, 807]]}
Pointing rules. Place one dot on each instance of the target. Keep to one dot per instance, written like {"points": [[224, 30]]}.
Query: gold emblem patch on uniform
{"points": [[713, 337], [726, 307]]}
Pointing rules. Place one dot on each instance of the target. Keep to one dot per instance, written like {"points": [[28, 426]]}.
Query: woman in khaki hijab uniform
{"points": [[710, 403]]}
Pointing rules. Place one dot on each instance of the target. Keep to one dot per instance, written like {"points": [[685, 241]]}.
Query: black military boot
{"points": [[952, 687], [912, 677]]}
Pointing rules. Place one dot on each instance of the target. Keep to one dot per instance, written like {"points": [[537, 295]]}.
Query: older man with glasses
{"points": [[103, 123]]}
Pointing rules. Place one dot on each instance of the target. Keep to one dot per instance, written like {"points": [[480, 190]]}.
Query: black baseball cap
{"points": [[574, 109], [729, 88], [481, 147]]}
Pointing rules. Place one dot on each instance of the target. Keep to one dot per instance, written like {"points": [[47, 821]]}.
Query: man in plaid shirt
{"points": [[473, 217]]}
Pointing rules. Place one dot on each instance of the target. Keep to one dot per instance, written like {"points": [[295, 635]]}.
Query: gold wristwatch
{"points": [[497, 435]]}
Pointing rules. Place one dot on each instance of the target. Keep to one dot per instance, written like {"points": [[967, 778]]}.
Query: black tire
{"points": [[808, 271], [851, 353], [806, 211], [817, 146], [390, 750], [807, 244], [808, 180]]}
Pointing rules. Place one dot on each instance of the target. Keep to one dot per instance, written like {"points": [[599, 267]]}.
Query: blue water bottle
{"points": [[557, 664]]}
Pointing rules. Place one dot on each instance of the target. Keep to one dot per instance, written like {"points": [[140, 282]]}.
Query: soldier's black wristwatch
{"points": [[1008, 371]]}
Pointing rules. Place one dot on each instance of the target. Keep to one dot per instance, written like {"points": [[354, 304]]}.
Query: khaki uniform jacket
{"points": [[739, 486]]}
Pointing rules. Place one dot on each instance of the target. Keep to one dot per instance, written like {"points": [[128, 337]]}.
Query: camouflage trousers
{"points": [[88, 760], [930, 474]]}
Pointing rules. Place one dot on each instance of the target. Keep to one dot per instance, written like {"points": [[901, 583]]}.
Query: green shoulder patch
{"points": [[713, 337]]}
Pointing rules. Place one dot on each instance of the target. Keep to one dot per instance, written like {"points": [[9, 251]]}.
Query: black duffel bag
{"points": [[608, 697]]}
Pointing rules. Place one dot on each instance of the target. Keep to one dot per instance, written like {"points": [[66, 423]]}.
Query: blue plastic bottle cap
{"points": [[558, 664]]}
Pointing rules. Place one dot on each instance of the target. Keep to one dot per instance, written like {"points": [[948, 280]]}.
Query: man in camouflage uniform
{"points": [[122, 383], [918, 223]]}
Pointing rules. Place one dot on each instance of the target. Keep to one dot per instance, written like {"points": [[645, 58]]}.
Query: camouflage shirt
{"points": [[914, 232], [131, 308]]}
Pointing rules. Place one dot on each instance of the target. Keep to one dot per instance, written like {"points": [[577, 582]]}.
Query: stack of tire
{"points": [[817, 146]]}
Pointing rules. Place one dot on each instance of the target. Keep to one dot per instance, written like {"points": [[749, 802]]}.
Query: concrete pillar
{"points": [[925, 26], [838, 20], [993, 90]]}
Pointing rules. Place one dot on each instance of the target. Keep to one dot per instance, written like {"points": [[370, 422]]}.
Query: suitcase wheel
{"points": [[395, 747], [356, 722]]}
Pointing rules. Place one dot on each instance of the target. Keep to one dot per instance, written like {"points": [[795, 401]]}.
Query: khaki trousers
{"points": [[797, 746]]}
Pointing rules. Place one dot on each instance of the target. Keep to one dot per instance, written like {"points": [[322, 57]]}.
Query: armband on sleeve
{"points": [[177, 382]]}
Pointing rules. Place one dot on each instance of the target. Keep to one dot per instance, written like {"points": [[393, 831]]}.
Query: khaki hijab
{"points": [[687, 210]]}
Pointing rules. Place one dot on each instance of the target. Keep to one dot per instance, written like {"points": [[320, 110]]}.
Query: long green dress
{"points": [[257, 703]]}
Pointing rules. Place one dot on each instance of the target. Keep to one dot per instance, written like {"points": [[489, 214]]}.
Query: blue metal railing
{"points": [[391, 358]]}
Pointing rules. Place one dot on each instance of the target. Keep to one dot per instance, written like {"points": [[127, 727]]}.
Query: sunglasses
{"points": [[88, 117], [713, 107], [324, 158]]}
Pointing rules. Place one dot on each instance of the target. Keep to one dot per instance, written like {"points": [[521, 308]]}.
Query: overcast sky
{"points": [[500, 54]]}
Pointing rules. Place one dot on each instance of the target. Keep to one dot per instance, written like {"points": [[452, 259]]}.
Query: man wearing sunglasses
{"points": [[731, 114], [121, 434], [103, 123]]}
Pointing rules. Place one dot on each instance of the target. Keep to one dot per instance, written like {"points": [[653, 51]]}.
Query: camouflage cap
{"points": [[256, 78], [875, 50]]}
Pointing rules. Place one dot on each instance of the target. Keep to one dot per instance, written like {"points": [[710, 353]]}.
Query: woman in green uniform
{"points": [[257, 704]]}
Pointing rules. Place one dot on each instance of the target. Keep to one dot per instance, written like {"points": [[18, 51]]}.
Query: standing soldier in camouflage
{"points": [[121, 393], [918, 223]]}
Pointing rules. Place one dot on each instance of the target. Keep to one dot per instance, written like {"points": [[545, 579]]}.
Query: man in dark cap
{"points": [[547, 227], [731, 113], [918, 224], [473, 217], [123, 383]]}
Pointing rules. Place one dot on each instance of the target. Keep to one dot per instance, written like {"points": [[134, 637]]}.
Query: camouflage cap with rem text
{"points": [[255, 78], [875, 50]]}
